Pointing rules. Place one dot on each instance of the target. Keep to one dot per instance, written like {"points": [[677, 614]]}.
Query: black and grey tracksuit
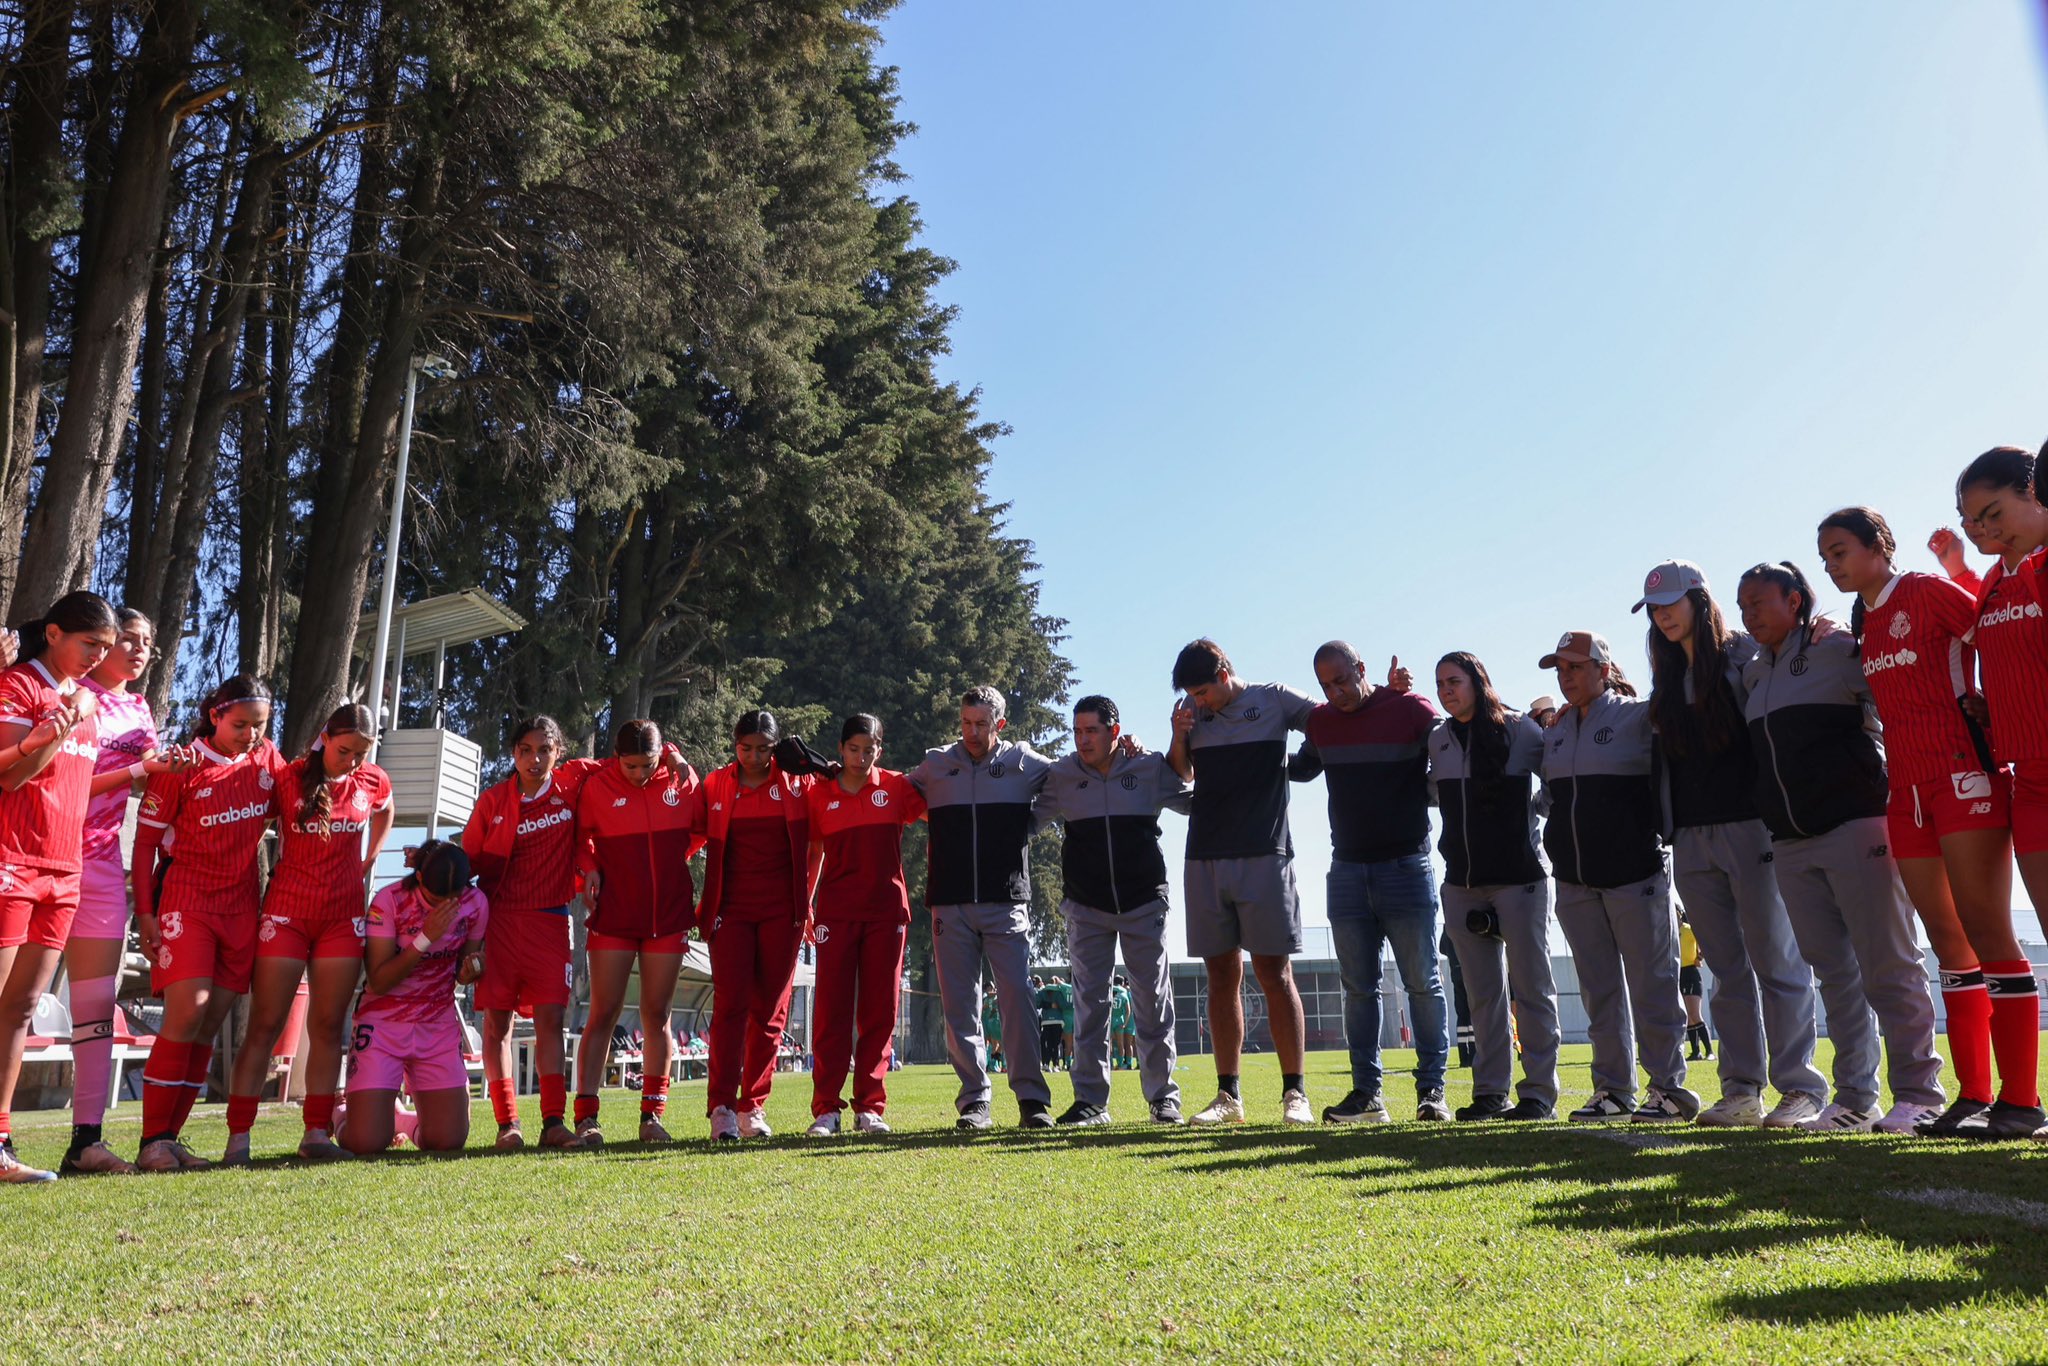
{"points": [[1613, 894], [1762, 1001], [1114, 876], [1820, 786], [979, 889], [1494, 865]]}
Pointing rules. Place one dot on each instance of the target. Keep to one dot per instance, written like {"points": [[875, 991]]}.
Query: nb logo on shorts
{"points": [[1980, 808], [1768, 856], [1880, 850]]}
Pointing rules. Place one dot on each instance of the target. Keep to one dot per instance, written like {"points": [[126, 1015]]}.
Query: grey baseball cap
{"points": [[1669, 582]]}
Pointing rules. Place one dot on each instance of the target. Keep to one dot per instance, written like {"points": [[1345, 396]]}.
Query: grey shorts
{"points": [[1243, 903]]}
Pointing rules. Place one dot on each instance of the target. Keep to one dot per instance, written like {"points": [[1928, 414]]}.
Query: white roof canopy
{"points": [[438, 622]]}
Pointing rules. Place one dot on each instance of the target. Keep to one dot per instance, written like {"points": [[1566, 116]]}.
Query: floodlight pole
{"points": [[386, 591]]}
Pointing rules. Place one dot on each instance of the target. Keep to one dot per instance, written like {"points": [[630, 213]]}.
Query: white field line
{"points": [[2032, 1213]]}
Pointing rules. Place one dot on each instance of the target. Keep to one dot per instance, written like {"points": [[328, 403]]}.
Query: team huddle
{"points": [[1804, 787]]}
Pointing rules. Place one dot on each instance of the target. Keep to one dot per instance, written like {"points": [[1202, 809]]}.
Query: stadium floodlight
{"points": [[435, 368]]}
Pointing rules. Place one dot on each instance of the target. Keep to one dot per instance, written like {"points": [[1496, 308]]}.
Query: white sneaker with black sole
{"points": [[1793, 1110], [1603, 1108], [1840, 1119], [1732, 1112]]}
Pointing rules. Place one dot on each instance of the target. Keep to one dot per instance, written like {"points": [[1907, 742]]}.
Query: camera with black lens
{"points": [[1483, 921]]}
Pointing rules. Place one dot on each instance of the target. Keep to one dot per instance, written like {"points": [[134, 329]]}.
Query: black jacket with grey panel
{"points": [[1490, 835], [1111, 860], [981, 822], [1813, 725], [1600, 770]]}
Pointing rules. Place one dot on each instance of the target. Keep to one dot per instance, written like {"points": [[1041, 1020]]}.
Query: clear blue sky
{"points": [[1435, 327]]}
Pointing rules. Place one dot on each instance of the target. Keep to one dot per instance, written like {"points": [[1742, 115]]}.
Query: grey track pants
{"points": [[1625, 946], [1514, 968], [1855, 926], [1762, 1000], [961, 937], [1092, 940]]}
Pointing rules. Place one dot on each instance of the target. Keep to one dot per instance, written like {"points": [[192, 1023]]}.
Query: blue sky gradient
{"points": [[1435, 327]]}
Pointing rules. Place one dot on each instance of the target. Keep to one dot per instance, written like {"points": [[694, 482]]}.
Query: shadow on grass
{"points": [[1694, 1196]]}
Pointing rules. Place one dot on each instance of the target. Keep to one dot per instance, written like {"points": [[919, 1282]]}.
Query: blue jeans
{"points": [[1393, 902]]}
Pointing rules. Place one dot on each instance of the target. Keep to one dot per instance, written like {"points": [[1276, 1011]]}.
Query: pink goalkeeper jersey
{"points": [[127, 734], [428, 994]]}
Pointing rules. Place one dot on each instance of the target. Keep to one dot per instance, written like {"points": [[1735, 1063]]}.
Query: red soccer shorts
{"points": [[216, 944], [1921, 813], [2030, 806], [598, 942], [36, 906], [302, 940], [526, 961]]}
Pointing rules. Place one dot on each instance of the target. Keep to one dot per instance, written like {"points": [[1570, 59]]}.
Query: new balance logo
{"points": [[1980, 808], [618, 802]]}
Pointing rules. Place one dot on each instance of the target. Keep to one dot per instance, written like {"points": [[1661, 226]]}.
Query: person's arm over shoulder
{"points": [[912, 805], [1954, 608], [1305, 764], [1174, 792], [919, 776]]}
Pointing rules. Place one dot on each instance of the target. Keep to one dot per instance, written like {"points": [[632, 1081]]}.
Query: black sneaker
{"points": [[1357, 1108], [2002, 1121], [1166, 1112], [1034, 1114], [973, 1116], [1604, 1106], [1482, 1107], [1430, 1107], [1081, 1113], [1944, 1124], [1529, 1110]]}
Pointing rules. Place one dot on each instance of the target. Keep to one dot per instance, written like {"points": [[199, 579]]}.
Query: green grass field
{"points": [[1409, 1242]]}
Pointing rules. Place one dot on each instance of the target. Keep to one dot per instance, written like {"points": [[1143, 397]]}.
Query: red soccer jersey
{"points": [[319, 875], [2012, 649], [213, 818], [862, 877], [1917, 656], [42, 822], [539, 870], [428, 992], [757, 855]]}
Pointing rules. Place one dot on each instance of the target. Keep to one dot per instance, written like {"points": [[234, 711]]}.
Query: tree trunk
{"points": [[35, 177], [114, 272]]}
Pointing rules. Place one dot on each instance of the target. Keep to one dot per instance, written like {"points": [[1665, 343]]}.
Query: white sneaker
{"points": [[1793, 1110], [15, 1172], [1294, 1109], [1225, 1109], [824, 1126], [1840, 1119], [1904, 1115], [754, 1124], [725, 1125], [1732, 1112], [867, 1122]]}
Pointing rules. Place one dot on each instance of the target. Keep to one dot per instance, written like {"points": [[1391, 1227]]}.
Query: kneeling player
{"points": [[425, 938]]}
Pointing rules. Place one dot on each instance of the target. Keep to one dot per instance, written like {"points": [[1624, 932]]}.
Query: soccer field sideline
{"points": [[1432, 1242]]}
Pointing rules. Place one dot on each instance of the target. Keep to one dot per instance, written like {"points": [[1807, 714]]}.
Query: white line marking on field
{"points": [[1638, 1138], [2032, 1213]]}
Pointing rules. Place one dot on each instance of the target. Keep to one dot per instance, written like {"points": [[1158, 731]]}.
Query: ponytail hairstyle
{"points": [[1617, 681], [1868, 526], [636, 740], [439, 867], [1711, 721], [316, 803], [1788, 579], [861, 723], [548, 726], [2001, 467], [761, 723], [233, 689], [72, 614], [1487, 743]]}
